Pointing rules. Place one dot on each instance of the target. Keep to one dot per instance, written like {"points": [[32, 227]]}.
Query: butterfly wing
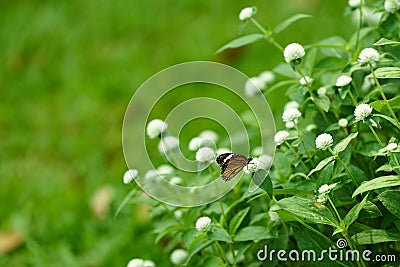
{"points": [[232, 166]]}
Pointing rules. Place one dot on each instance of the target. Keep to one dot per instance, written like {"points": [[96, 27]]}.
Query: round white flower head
{"points": [[252, 166], [290, 124], [321, 91], [253, 86], [354, 3], [321, 198], [136, 263], [150, 174], [293, 51], [343, 122], [391, 146], [265, 162], [267, 77], [368, 55], [222, 150], [195, 143], [178, 214], [323, 189], [155, 128], [203, 224], [291, 114], [311, 127], [343, 80], [205, 154], [209, 135], [246, 13], [306, 80], [168, 143], [280, 137], [362, 111], [176, 180], [392, 6], [129, 175], [323, 141], [291, 104], [165, 169], [256, 151], [179, 256], [149, 263]]}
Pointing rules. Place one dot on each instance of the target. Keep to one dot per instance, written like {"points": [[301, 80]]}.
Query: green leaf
{"points": [[285, 70], [196, 240], [380, 105], [167, 231], [344, 143], [197, 248], [325, 177], [389, 119], [343, 91], [219, 234], [253, 233], [321, 165], [357, 173], [387, 73], [375, 236], [289, 21], [266, 184], [391, 200], [384, 41], [380, 182], [241, 41], [352, 215], [304, 208], [323, 102], [213, 261], [237, 220], [279, 85]]}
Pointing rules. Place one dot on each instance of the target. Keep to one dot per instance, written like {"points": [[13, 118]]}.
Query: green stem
{"points": [[304, 145], [267, 35], [344, 166], [352, 98], [358, 28], [376, 136], [335, 210], [383, 96], [221, 251], [298, 156]]}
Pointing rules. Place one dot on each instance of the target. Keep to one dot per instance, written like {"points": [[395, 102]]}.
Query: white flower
{"points": [[321, 198], [165, 169], [136, 263], [391, 146], [246, 13], [291, 115], [367, 83], [203, 224], [368, 55], [167, 144], [256, 151], [267, 77], [253, 86], [321, 91], [252, 166], [362, 111], [354, 3], [150, 174], [205, 154], [130, 175], [178, 214], [306, 80], [280, 137], [156, 127], [323, 141], [343, 122], [195, 143], [293, 51], [265, 162], [311, 127], [222, 150], [176, 180], [179, 256], [149, 263], [392, 6], [209, 135], [290, 124], [323, 189], [343, 81], [291, 104]]}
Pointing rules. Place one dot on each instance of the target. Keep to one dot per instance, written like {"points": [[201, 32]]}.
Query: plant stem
{"points": [[267, 35], [376, 136], [344, 165], [303, 144], [352, 98], [335, 210], [383, 96], [358, 28], [221, 251], [297, 155]]}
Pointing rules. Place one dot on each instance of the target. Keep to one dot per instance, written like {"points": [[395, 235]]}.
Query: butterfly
{"points": [[231, 164]]}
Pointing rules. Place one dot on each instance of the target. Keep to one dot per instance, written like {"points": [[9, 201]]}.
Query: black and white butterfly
{"points": [[231, 164]]}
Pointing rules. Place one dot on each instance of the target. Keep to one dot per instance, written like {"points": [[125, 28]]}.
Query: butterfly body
{"points": [[231, 164]]}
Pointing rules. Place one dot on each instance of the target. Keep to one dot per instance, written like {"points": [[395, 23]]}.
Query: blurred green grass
{"points": [[68, 71]]}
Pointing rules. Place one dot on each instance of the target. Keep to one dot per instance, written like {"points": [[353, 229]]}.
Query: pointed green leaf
{"points": [[352, 215], [384, 41], [380, 105], [241, 41], [321, 165], [380, 182], [391, 200], [237, 220], [387, 72], [252, 233], [289, 21], [323, 102], [389, 119], [219, 234], [375, 236], [344, 143]]}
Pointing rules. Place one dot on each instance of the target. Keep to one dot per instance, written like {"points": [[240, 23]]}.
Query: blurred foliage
{"points": [[68, 71]]}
